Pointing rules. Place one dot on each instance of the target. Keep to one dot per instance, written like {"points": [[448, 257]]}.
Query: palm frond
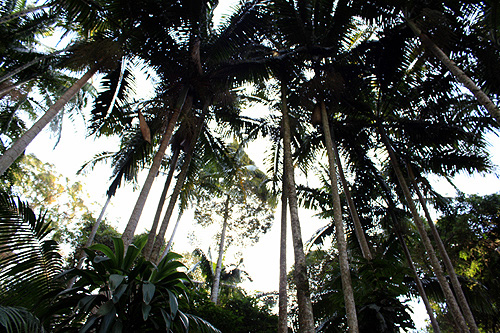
{"points": [[29, 260], [16, 319]]}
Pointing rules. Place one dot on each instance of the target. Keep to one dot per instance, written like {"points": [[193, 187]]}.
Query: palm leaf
{"points": [[15, 319], [29, 259]]}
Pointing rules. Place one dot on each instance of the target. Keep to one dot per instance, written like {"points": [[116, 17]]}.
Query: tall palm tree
{"points": [[206, 61], [283, 299], [306, 318], [339, 226], [100, 55]]}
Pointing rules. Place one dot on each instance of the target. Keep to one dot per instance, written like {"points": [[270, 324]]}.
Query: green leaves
{"points": [[132, 293], [29, 261], [148, 291]]}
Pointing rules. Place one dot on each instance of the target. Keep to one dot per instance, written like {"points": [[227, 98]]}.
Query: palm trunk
{"points": [[306, 318], [82, 255], [464, 305], [159, 240], [481, 97], [20, 145], [215, 287], [409, 260], [151, 237], [360, 235], [282, 300], [418, 282], [438, 270], [128, 233], [345, 274], [6, 89], [171, 240]]}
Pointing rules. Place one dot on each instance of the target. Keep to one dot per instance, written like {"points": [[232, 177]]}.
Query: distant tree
{"points": [[238, 315], [471, 231]]}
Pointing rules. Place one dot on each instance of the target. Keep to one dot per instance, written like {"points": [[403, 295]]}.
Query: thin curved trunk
{"points": [[462, 301], [5, 90], [345, 274], [128, 233], [282, 300], [409, 260], [171, 240], [306, 318], [358, 229], [20, 145], [214, 296], [418, 282], [151, 236], [481, 97], [159, 240], [438, 270], [82, 255]]}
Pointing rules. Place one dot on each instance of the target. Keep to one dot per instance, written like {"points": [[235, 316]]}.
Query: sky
{"points": [[261, 260]]}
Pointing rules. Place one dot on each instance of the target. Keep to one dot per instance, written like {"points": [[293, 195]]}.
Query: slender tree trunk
{"points": [[159, 240], [360, 235], [418, 282], [128, 233], [171, 240], [215, 287], [462, 301], [420, 287], [20, 145], [5, 89], [481, 97], [345, 274], [306, 317], [438, 270], [151, 237], [82, 255], [283, 298]]}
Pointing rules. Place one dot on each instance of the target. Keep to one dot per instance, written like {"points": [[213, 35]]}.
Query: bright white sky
{"points": [[261, 261]]}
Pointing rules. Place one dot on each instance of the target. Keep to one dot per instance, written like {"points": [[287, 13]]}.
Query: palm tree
{"points": [[306, 319], [450, 298], [207, 62], [339, 226], [283, 299], [99, 55]]}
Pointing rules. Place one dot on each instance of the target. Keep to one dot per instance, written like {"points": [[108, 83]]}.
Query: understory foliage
{"points": [[234, 314], [381, 290], [471, 230]]}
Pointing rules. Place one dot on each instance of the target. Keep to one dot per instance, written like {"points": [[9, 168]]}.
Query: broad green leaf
{"points": [[166, 318], [174, 304], [88, 324], [119, 251], [106, 250], [107, 321], [130, 256], [119, 292], [146, 308], [105, 308], [115, 280], [184, 320], [117, 327], [148, 291], [86, 302]]}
